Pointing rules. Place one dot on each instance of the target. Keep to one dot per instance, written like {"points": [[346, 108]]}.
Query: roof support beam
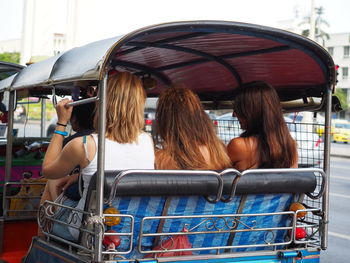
{"points": [[168, 40], [142, 68]]}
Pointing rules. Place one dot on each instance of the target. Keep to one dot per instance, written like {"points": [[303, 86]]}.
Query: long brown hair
{"points": [[185, 129], [258, 106], [125, 108]]}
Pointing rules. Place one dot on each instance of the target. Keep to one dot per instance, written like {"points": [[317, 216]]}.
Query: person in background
{"points": [[81, 120], [266, 141], [126, 145], [3, 110], [188, 138]]}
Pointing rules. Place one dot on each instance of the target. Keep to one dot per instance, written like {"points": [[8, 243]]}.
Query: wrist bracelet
{"points": [[63, 133], [60, 124]]}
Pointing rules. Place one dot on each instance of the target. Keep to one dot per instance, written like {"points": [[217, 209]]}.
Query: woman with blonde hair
{"points": [[187, 135], [126, 145], [266, 141]]}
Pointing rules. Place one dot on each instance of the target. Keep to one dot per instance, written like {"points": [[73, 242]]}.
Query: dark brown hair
{"points": [[84, 115], [184, 128], [258, 106]]}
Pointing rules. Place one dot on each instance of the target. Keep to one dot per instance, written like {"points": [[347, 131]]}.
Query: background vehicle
{"points": [[20, 114], [341, 131], [149, 120], [8, 69]]}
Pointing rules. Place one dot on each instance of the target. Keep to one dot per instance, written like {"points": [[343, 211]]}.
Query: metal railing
{"points": [[211, 225]]}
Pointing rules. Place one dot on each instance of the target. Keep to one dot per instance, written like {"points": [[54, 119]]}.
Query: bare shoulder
{"points": [[241, 152], [237, 144], [76, 147]]}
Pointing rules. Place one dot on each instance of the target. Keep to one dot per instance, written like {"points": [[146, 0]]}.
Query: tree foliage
{"points": [[340, 93], [12, 57], [319, 24]]}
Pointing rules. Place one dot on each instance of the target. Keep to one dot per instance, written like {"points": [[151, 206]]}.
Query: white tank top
{"points": [[118, 156]]}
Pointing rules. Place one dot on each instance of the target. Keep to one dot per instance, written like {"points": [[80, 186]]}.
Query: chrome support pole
{"points": [[83, 101], [8, 164], [100, 164], [43, 118], [326, 168]]}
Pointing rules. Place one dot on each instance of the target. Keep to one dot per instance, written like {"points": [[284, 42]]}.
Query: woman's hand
{"points": [[66, 182], [64, 111]]}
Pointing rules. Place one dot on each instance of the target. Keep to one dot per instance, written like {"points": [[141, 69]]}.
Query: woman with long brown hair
{"points": [[266, 141], [187, 135]]}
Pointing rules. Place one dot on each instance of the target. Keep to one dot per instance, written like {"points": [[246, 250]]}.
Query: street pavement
{"points": [[340, 150], [339, 224]]}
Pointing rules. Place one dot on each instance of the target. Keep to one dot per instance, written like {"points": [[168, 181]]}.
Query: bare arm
{"points": [[59, 162], [296, 157]]}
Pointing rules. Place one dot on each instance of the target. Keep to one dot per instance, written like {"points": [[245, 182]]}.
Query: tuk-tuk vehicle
{"points": [[7, 69], [191, 215], [20, 199]]}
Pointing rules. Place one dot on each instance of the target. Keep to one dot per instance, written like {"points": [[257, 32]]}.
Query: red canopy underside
{"points": [[207, 63]]}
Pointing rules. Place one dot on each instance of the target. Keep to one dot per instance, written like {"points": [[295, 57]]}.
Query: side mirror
{"points": [[336, 105]]}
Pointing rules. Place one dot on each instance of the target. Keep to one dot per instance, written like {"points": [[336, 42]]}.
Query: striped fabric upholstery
{"points": [[267, 203], [140, 207]]}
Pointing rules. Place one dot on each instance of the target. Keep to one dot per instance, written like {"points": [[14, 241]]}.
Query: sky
{"points": [[133, 14]]}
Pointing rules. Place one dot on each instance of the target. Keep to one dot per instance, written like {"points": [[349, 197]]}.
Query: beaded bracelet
{"points": [[63, 133]]}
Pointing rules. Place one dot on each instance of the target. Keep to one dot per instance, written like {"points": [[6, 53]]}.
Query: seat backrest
{"points": [[169, 183], [178, 199]]}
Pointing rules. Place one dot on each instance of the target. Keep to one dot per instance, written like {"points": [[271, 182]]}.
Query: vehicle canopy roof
{"points": [[210, 57], [7, 69]]}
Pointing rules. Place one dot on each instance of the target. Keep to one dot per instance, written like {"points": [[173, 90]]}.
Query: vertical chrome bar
{"points": [[326, 168], [43, 118], [8, 163], [100, 164]]}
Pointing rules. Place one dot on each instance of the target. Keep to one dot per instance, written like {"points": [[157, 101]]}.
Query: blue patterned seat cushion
{"points": [[263, 203], [141, 207]]}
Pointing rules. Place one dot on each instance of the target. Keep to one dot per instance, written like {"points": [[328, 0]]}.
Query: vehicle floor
{"points": [[17, 239]]}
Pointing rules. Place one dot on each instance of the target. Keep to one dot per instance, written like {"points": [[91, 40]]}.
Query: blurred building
{"points": [[54, 26], [338, 45], [44, 29], [12, 45]]}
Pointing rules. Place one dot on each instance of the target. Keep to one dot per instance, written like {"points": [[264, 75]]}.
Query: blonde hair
{"points": [[125, 108]]}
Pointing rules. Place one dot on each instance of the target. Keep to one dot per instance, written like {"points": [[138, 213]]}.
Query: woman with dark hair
{"points": [[266, 141], [188, 138], [81, 120]]}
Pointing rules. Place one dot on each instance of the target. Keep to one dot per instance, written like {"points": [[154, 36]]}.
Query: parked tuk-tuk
{"points": [[226, 216]]}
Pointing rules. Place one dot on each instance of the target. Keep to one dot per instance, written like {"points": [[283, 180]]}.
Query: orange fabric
{"points": [[17, 239]]}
